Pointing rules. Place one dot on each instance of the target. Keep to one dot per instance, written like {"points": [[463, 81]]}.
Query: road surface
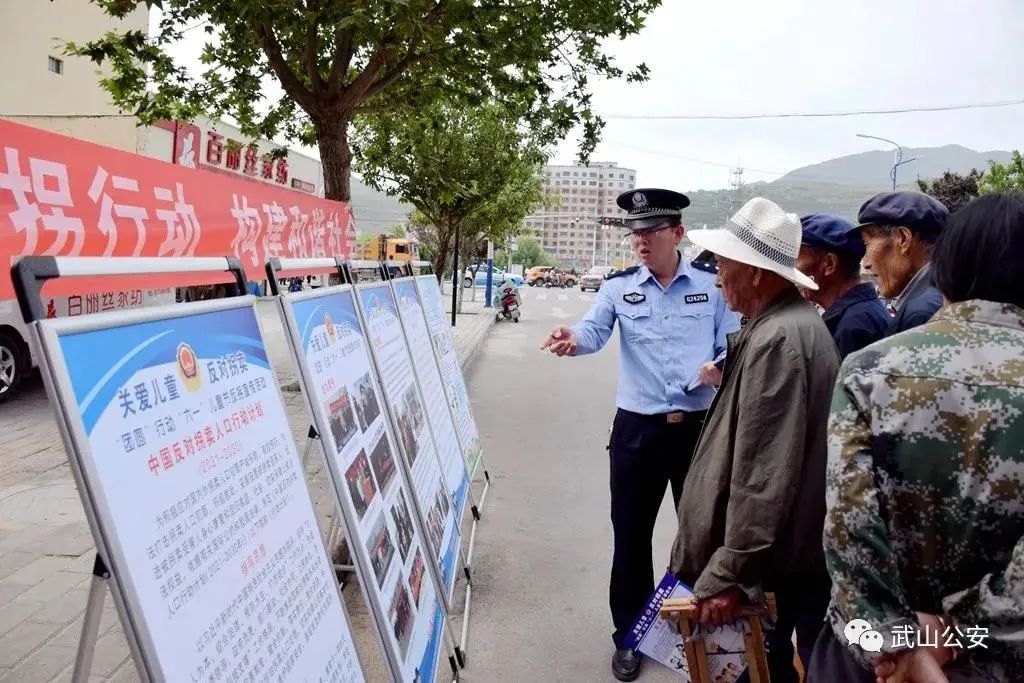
{"points": [[541, 566]]}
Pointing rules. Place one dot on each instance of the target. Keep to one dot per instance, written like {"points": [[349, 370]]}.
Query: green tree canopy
{"points": [[953, 189], [1004, 177], [336, 61], [465, 168], [530, 253]]}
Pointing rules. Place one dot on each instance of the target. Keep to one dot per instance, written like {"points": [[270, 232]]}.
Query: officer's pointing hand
{"points": [[561, 342]]}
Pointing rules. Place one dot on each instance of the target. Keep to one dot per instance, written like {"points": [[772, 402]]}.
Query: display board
{"points": [[451, 374], [370, 487], [405, 404], [181, 448], [439, 414]]}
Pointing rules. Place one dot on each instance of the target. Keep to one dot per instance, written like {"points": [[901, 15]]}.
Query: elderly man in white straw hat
{"points": [[753, 503]]}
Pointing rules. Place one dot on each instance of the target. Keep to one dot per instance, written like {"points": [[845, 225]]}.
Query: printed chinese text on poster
{"points": [[451, 374], [202, 501], [438, 413], [405, 402], [370, 486]]}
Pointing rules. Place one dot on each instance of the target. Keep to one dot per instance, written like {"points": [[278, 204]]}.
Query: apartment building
{"points": [[570, 228]]}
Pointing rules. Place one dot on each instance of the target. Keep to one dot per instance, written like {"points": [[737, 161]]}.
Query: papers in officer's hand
{"points": [[658, 640]]}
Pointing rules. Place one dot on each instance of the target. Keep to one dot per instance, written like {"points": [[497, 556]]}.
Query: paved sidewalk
{"points": [[46, 549]]}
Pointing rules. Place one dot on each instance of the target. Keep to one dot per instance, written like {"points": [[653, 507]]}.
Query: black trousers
{"points": [[646, 453], [801, 603], [831, 661]]}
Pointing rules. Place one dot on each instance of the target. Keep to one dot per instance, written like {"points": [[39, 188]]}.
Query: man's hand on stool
{"points": [[720, 608]]}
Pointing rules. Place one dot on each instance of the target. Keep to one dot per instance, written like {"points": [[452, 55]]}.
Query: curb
{"points": [[467, 364]]}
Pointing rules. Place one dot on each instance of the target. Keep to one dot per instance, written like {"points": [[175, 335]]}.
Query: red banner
{"points": [[64, 197]]}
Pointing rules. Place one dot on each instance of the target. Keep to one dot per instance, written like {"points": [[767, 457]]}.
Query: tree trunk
{"points": [[445, 235], [336, 157]]}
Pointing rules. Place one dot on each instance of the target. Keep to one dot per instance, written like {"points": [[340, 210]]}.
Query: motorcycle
{"points": [[554, 281], [507, 302]]}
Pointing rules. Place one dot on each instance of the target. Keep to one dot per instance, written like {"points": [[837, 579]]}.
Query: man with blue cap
{"points": [[830, 253], [672, 323], [899, 230]]}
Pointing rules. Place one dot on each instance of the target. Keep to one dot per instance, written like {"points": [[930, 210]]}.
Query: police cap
{"points": [[651, 207], [914, 210]]}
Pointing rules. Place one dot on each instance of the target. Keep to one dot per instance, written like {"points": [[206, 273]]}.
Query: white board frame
{"points": [[386, 286], [320, 422], [57, 379]]}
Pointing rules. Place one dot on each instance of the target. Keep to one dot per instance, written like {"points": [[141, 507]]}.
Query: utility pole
{"points": [[736, 183]]}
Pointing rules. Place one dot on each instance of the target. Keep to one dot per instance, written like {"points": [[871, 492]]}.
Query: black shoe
{"points": [[626, 664]]}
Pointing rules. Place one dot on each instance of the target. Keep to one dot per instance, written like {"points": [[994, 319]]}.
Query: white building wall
{"points": [[72, 102], [570, 230]]}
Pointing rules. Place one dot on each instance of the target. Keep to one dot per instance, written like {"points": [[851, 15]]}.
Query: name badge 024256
{"points": [[696, 298]]}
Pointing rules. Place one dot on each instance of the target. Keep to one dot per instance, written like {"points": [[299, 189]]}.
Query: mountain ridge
{"points": [[839, 185]]}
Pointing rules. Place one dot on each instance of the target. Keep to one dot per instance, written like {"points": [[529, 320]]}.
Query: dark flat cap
{"points": [[650, 207], [831, 233], [914, 210]]}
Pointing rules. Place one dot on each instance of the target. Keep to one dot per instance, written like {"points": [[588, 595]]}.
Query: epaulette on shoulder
{"points": [[706, 266], [627, 271]]}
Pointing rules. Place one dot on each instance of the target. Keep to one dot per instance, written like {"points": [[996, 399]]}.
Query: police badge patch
{"points": [[633, 297], [695, 298]]}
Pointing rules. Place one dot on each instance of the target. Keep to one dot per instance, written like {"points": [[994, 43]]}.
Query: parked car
{"points": [[481, 277], [595, 277]]}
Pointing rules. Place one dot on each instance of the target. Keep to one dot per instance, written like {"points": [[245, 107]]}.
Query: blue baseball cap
{"points": [[914, 210], [831, 233]]}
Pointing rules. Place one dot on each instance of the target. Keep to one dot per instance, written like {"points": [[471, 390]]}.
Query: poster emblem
{"points": [[188, 367], [329, 324]]}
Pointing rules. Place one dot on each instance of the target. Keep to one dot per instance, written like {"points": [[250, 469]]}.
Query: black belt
{"points": [[675, 417]]}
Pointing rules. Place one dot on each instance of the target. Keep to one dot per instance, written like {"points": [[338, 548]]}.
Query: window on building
{"points": [[55, 65]]}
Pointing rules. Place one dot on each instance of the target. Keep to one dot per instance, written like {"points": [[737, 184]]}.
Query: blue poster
{"points": [[201, 499], [406, 403], [439, 410], [371, 487]]}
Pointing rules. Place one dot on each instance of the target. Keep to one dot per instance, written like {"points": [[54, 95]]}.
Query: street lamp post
{"points": [[897, 161]]}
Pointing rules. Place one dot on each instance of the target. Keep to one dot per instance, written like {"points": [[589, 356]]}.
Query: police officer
{"points": [[899, 230], [672, 324], [830, 253]]}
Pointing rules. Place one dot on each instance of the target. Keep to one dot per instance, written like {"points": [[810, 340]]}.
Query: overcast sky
{"points": [[755, 57]]}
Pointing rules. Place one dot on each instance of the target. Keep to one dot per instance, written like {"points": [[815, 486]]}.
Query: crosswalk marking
{"points": [[542, 294]]}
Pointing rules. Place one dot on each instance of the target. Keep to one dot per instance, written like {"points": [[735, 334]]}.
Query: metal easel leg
{"points": [[91, 622], [311, 436]]}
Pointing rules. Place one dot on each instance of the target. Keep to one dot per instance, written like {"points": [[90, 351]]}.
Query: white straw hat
{"points": [[760, 234]]}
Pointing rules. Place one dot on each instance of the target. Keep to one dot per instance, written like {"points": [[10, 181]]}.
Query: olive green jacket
{"points": [[753, 504]]}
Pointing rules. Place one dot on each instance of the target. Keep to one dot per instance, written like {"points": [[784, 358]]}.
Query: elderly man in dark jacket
{"points": [[753, 503], [830, 253], [899, 230]]}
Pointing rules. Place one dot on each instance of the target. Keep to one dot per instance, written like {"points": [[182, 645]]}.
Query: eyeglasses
{"points": [[640, 234]]}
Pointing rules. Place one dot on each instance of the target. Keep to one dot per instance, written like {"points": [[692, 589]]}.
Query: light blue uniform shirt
{"points": [[666, 334]]}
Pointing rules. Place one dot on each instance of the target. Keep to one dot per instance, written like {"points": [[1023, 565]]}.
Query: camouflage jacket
{"points": [[925, 486]]}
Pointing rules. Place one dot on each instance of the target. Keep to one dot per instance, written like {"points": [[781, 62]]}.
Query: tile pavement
{"points": [[46, 549]]}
